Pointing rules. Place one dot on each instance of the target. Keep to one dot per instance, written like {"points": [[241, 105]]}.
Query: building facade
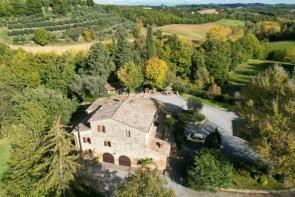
{"points": [[121, 130]]}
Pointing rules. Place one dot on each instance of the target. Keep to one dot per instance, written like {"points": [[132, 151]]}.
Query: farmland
{"points": [[197, 32], [20, 30]]}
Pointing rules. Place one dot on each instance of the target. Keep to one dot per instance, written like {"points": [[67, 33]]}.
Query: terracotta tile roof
{"points": [[135, 110]]}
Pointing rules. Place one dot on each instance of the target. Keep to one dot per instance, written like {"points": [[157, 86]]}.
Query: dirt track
{"points": [[54, 48]]}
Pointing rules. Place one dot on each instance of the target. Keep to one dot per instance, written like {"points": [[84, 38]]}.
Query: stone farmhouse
{"points": [[122, 130]]}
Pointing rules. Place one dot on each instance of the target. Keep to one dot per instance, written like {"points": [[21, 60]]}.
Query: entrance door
{"points": [[124, 161], [108, 158]]}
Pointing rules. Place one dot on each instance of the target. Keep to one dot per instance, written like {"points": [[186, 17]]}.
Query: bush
{"points": [[210, 170], [88, 36], [197, 117], [169, 122], [74, 35], [41, 37], [277, 55]]}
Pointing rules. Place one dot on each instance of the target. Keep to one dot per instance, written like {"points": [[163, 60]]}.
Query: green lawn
{"points": [[282, 44], [209, 102], [244, 73], [242, 180], [229, 22]]}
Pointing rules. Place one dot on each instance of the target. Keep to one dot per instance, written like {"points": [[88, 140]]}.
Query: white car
{"points": [[196, 137]]}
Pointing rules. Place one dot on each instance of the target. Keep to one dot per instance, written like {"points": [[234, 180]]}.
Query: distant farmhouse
{"points": [[121, 130]]}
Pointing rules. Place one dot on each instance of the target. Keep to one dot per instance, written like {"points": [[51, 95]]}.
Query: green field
{"points": [[282, 44], [197, 32], [244, 73], [4, 155], [229, 22]]}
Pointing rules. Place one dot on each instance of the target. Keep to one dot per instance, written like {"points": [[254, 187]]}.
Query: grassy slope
{"points": [[244, 73], [4, 155], [282, 44], [4, 38], [197, 32]]}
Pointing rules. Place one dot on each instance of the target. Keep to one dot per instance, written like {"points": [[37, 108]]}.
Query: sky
{"points": [[177, 2]]}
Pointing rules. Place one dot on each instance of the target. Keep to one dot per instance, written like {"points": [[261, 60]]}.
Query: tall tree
{"points": [[181, 53], [58, 162], [122, 53], [155, 72], [146, 181], [130, 75], [217, 59], [99, 62], [271, 113], [150, 42], [25, 138], [210, 170]]}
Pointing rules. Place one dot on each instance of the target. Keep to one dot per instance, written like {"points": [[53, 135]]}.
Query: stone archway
{"points": [[124, 161], [108, 158]]}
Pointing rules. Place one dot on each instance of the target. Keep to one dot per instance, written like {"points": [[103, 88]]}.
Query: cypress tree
{"points": [[58, 162], [150, 42], [123, 53]]}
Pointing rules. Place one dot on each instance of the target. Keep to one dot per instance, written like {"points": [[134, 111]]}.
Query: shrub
{"points": [[277, 55], [197, 117], [74, 35], [88, 36], [169, 122], [210, 170], [41, 37], [213, 91]]}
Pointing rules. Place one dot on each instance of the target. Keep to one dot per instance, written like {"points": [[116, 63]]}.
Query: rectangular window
{"points": [[86, 140], [107, 143], [128, 133], [101, 128]]}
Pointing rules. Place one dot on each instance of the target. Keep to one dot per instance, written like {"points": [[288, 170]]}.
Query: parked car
{"points": [[196, 137]]}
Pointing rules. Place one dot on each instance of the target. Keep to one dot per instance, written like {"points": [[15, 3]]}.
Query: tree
{"points": [[58, 73], [145, 181], [122, 53], [99, 62], [217, 59], [271, 113], [155, 72], [252, 46], [90, 3], [52, 101], [58, 161], [25, 138], [60, 6], [194, 104], [214, 90], [41, 37], [210, 170], [130, 76], [181, 53], [87, 86], [150, 42], [238, 55], [33, 7]]}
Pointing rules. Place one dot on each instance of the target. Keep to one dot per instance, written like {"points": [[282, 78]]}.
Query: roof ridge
{"points": [[112, 117]]}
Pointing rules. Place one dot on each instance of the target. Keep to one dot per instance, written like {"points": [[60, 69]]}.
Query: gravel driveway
{"points": [[220, 117]]}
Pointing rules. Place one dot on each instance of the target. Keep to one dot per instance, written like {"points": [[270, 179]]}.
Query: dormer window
{"points": [[101, 128]]}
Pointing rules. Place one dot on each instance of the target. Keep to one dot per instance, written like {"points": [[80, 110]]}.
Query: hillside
{"points": [[197, 32], [70, 28]]}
